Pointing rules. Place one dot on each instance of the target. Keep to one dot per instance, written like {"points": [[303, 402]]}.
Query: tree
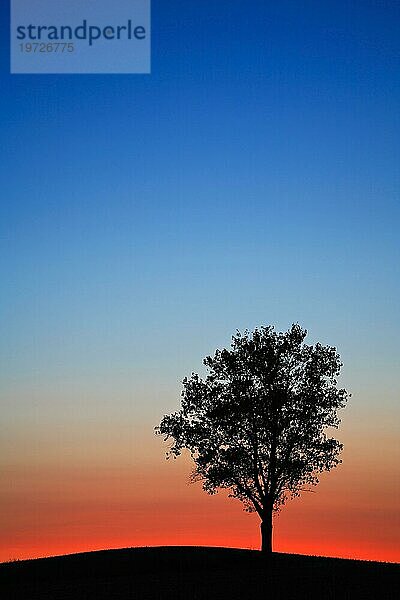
{"points": [[256, 424]]}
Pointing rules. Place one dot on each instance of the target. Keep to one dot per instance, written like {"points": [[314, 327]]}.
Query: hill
{"points": [[196, 573]]}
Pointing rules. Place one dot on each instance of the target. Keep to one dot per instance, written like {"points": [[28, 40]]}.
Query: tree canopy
{"points": [[257, 423]]}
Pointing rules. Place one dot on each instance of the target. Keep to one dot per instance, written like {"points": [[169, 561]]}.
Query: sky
{"points": [[251, 179]]}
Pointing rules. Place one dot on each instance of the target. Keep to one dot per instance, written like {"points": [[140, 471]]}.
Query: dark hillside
{"points": [[196, 573]]}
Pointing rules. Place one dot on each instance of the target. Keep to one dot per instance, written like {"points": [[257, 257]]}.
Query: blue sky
{"points": [[252, 178]]}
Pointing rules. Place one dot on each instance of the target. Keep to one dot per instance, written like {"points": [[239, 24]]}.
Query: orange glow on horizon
{"points": [[91, 544], [61, 505], [98, 510]]}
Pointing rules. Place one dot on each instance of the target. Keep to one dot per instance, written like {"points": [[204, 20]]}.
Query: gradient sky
{"points": [[251, 179]]}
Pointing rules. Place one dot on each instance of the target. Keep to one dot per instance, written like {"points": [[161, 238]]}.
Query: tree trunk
{"points": [[266, 532]]}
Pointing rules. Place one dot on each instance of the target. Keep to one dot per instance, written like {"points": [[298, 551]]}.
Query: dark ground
{"points": [[194, 573]]}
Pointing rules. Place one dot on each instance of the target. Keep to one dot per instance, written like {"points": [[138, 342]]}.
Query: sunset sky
{"points": [[251, 179]]}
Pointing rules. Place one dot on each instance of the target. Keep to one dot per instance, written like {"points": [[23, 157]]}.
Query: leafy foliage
{"points": [[257, 423]]}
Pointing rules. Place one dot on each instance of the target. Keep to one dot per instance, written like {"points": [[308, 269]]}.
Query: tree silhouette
{"points": [[256, 424]]}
